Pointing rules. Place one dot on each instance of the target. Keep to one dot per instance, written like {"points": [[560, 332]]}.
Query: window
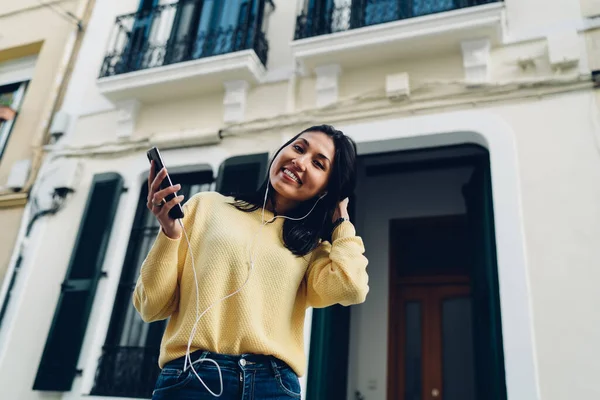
{"points": [[218, 27], [11, 97], [178, 31], [321, 17], [128, 366], [129, 363]]}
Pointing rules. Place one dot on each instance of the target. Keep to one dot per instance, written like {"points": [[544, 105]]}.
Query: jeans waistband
{"points": [[246, 361]]}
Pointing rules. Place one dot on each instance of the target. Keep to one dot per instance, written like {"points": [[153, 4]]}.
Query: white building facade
{"points": [[478, 130]]}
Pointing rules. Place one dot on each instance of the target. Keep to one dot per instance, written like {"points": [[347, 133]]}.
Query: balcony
{"points": [[357, 32], [185, 47], [127, 372]]}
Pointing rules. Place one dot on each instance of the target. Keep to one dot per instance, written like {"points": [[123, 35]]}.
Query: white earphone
{"points": [[252, 252]]}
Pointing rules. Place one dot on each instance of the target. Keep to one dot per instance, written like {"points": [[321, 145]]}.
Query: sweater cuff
{"points": [[164, 253], [343, 230], [164, 245]]}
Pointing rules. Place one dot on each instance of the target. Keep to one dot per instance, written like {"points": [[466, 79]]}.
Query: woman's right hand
{"points": [[156, 196]]}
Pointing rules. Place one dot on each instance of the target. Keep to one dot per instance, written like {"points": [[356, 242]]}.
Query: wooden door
{"points": [[431, 343]]}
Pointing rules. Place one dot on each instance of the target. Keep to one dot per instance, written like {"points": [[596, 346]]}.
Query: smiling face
{"points": [[301, 170]]}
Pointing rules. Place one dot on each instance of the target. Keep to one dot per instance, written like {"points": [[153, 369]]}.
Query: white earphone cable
{"points": [[252, 253]]}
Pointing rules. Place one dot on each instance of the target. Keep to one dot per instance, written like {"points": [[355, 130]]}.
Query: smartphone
{"points": [[154, 155]]}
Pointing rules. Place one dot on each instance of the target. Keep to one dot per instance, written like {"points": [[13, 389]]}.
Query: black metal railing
{"points": [[173, 33], [127, 372], [321, 17]]}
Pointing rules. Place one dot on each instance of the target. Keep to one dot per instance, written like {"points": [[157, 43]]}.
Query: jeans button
{"points": [[243, 362]]}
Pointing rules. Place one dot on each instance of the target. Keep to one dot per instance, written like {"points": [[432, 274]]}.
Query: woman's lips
{"points": [[288, 177]]}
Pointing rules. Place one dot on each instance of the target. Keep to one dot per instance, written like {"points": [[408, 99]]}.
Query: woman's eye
{"points": [[319, 165], [298, 148]]}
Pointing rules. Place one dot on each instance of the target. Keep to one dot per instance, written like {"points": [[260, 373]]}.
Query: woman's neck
{"points": [[280, 205]]}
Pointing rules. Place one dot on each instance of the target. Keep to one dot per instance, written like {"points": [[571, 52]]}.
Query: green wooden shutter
{"points": [[487, 325], [327, 376], [242, 174], [328, 357], [58, 366]]}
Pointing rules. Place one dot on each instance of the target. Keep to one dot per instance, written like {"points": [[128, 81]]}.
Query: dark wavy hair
{"points": [[301, 237]]}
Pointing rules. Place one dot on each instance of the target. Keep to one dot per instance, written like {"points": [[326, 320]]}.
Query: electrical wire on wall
{"points": [[65, 14]]}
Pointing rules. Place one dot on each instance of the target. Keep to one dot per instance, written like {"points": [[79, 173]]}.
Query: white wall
{"points": [[558, 143], [382, 198], [280, 31], [535, 16]]}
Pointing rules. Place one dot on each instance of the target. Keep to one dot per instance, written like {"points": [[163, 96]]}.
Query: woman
{"points": [[237, 280]]}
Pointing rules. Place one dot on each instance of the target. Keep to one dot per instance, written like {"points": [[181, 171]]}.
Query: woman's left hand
{"points": [[341, 210]]}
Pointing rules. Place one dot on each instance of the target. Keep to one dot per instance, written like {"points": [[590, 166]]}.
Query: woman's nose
{"points": [[300, 163]]}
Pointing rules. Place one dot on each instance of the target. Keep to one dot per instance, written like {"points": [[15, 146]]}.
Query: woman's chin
{"points": [[284, 187], [287, 192]]}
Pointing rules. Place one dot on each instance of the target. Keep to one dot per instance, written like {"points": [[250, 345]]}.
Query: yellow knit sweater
{"points": [[267, 316]]}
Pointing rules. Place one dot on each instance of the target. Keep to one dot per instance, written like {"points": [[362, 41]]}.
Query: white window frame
{"points": [[19, 70]]}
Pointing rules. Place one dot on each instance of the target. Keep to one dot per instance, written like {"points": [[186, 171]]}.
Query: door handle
{"points": [[435, 393]]}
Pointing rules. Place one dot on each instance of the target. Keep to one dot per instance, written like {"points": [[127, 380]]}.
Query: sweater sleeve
{"points": [[337, 271], [156, 294]]}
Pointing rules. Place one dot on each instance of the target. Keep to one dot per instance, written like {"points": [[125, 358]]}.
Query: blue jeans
{"points": [[245, 377]]}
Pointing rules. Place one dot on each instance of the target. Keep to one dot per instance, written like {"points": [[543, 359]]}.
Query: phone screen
{"points": [[154, 155]]}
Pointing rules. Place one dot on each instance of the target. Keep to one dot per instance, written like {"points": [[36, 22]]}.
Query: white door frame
{"points": [[493, 133]]}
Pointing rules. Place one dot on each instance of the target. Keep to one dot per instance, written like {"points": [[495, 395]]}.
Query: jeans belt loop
{"points": [[275, 369]]}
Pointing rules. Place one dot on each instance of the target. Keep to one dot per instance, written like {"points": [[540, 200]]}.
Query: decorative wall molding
{"points": [[234, 100], [128, 111], [476, 60], [327, 84]]}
